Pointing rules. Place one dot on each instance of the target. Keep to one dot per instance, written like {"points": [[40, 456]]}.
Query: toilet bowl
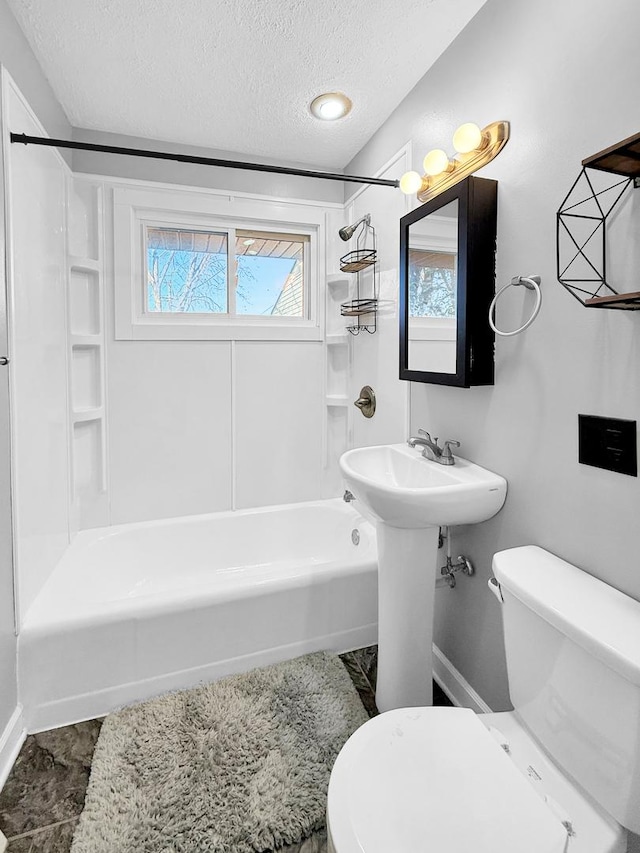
{"points": [[558, 774]]}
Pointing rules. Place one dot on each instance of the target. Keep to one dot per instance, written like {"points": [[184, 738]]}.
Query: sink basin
{"points": [[403, 489]]}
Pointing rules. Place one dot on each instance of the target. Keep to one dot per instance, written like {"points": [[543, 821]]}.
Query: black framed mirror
{"points": [[447, 282]]}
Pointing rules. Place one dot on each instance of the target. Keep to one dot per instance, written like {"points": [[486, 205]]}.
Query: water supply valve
{"points": [[462, 564]]}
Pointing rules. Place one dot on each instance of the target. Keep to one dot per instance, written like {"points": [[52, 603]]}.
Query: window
{"points": [[199, 266], [188, 272], [270, 274]]}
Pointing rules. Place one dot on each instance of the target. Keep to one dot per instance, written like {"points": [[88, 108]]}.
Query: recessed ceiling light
{"points": [[248, 242], [330, 106]]}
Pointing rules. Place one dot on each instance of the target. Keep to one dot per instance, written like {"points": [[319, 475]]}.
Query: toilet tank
{"points": [[572, 645]]}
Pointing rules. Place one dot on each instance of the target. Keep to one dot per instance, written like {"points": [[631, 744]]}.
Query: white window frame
{"points": [[136, 209], [441, 240]]}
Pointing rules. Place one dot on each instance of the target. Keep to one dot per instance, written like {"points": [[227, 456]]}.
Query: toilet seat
{"points": [[434, 779]]}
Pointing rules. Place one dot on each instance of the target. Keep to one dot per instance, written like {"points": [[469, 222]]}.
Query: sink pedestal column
{"points": [[407, 561]]}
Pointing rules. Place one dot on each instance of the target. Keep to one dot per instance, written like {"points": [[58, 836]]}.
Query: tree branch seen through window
{"points": [[432, 283]]}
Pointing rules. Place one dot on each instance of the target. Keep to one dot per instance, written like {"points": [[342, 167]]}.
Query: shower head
{"points": [[348, 231]]}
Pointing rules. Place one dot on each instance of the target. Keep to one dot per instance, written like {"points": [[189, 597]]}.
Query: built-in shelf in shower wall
{"points": [[87, 355], [84, 300], [88, 458], [337, 366], [337, 359], [86, 377], [337, 339]]}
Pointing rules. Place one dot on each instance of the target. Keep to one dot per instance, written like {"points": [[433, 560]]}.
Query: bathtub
{"points": [[139, 609]]}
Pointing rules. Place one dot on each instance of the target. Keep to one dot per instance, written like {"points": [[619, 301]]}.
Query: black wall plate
{"points": [[608, 443]]}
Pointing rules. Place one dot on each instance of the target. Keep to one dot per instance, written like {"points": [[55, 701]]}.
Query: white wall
{"points": [[36, 188], [563, 74]]}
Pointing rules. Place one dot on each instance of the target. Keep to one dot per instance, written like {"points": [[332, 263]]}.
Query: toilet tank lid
{"points": [[601, 619]]}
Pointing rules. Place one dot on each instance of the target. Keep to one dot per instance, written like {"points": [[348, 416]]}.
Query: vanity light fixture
{"points": [[469, 137], [436, 162], [330, 106], [475, 148], [410, 183]]}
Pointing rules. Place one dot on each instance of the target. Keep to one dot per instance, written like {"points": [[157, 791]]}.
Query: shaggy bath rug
{"points": [[238, 766]]}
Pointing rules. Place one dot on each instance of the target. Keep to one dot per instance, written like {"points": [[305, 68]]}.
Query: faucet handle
{"points": [[446, 449], [425, 434]]}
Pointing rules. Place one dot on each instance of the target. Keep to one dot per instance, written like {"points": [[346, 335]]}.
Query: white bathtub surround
{"points": [[374, 358], [136, 610], [11, 740], [36, 183], [9, 710]]}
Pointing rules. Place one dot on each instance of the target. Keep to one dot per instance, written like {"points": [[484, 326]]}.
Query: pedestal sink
{"points": [[410, 497]]}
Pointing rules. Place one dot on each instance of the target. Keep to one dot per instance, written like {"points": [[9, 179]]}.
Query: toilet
{"points": [[558, 774]]}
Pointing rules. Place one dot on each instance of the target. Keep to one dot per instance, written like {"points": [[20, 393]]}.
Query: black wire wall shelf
{"points": [[358, 260], [581, 225], [362, 262], [357, 307]]}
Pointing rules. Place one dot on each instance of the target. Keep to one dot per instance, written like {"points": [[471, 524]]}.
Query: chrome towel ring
{"points": [[531, 282]]}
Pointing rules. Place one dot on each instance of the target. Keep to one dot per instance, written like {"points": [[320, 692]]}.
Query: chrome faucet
{"points": [[432, 450]]}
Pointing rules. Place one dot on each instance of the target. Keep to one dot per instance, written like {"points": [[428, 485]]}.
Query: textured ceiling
{"points": [[238, 74]]}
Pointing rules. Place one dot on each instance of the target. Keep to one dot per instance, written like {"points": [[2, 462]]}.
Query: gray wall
{"points": [[166, 171], [20, 61], [564, 75]]}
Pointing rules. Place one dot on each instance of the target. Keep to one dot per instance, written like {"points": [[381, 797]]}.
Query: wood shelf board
{"points": [[357, 266], [626, 301], [338, 339], [335, 400], [623, 158], [358, 307]]}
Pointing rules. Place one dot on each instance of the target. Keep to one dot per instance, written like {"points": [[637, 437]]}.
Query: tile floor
{"points": [[44, 794]]}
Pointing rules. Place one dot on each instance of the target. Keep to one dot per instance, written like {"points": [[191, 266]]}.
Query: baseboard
{"points": [[11, 741], [455, 685]]}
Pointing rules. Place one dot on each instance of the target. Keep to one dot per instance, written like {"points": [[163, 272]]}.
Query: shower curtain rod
{"points": [[202, 161]]}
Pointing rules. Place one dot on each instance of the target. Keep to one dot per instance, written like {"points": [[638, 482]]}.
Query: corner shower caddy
{"points": [[358, 262], [589, 259]]}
